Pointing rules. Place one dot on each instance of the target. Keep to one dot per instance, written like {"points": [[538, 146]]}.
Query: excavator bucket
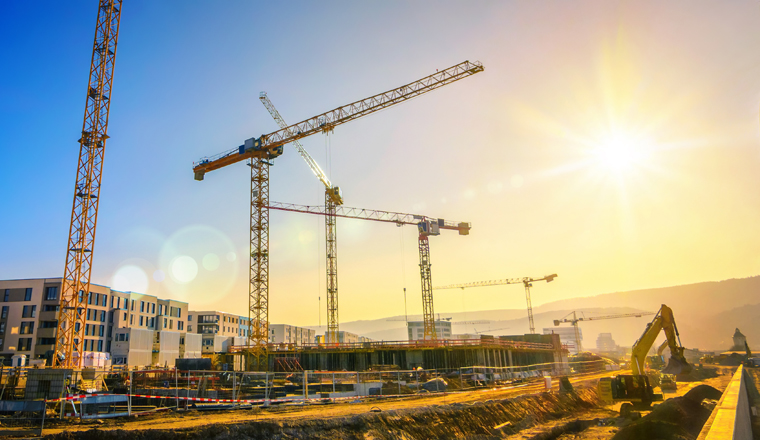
{"points": [[677, 366]]}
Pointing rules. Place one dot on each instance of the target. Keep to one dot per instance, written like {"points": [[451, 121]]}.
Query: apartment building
{"points": [[290, 334], [416, 330], [351, 338], [219, 330], [28, 320]]}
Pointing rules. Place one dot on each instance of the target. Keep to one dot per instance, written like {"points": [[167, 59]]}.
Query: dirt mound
{"points": [[676, 418], [488, 419], [698, 374]]}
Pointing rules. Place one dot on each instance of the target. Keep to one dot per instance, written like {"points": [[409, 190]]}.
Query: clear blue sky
{"points": [[504, 149]]}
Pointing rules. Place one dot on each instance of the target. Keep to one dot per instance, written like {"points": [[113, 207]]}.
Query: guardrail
{"points": [[376, 345], [731, 417]]}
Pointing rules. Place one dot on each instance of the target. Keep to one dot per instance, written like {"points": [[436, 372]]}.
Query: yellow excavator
{"points": [[634, 389]]}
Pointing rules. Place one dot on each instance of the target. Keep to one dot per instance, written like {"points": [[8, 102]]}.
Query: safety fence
{"points": [[90, 394]]}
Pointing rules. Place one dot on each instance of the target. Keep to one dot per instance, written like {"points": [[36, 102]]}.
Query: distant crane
{"points": [[262, 150], [527, 282], [426, 227], [575, 320]]}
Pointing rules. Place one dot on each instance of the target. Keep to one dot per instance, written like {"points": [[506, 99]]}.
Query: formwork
{"points": [[503, 351]]}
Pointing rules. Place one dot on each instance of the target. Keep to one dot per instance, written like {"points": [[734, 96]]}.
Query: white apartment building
{"points": [[28, 320], [416, 330], [218, 330], [290, 334]]}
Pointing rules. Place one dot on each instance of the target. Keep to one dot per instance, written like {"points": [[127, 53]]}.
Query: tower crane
{"points": [[75, 285], [575, 320], [262, 150], [426, 226], [333, 198], [527, 282]]}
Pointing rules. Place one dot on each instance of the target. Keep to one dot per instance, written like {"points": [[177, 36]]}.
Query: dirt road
{"points": [[323, 413]]}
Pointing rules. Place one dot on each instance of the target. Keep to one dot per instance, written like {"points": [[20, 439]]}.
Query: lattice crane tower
{"points": [[75, 287]]}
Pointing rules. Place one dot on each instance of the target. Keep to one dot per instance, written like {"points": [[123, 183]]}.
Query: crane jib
{"points": [[272, 143]]}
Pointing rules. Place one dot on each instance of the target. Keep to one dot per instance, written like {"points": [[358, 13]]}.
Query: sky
{"points": [[616, 144]]}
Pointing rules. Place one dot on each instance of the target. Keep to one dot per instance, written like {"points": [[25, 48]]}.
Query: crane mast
{"points": [[527, 282], [333, 198], [75, 286], [263, 149], [426, 227]]}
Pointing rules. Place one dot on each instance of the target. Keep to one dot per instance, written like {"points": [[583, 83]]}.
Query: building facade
{"points": [[605, 343], [290, 334], [566, 337], [29, 319], [416, 330]]}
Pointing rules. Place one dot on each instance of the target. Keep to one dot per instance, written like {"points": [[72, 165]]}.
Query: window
{"points": [[101, 331], [141, 321], [171, 324], [77, 326], [7, 295], [189, 328], [109, 331], [26, 312], [110, 316], [181, 341], [133, 305], [153, 306], [112, 298], [152, 322], [4, 313], [108, 346], [28, 294], [89, 301], [131, 319], [81, 296], [142, 306], [86, 331], [50, 308], [24, 344], [2, 328], [179, 325], [189, 318], [100, 345], [125, 317], [51, 293], [49, 324], [88, 314], [165, 322], [27, 328], [46, 341], [104, 302], [179, 312], [102, 316]]}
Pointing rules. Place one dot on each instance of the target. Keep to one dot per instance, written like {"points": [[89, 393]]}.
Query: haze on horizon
{"points": [[612, 143]]}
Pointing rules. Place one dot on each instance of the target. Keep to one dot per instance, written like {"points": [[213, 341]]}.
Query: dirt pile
{"points": [[489, 419], [676, 418]]}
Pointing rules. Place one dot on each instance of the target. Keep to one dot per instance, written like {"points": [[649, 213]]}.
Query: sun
{"points": [[619, 152]]}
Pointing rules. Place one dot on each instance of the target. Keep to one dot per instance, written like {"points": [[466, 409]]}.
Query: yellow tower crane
{"points": [[426, 227], [75, 286], [333, 198], [527, 282], [575, 320], [262, 150]]}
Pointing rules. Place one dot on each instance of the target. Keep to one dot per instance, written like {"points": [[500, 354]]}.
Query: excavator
{"points": [[634, 389]]}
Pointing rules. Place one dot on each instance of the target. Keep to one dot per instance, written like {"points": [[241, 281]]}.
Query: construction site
{"points": [[83, 360]]}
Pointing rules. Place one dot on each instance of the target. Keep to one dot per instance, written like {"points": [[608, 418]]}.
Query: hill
{"points": [[706, 315]]}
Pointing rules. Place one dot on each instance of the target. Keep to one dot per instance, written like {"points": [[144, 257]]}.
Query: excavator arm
{"points": [[663, 321]]}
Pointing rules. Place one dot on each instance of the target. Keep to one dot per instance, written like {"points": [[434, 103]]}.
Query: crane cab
{"points": [[429, 227]]}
